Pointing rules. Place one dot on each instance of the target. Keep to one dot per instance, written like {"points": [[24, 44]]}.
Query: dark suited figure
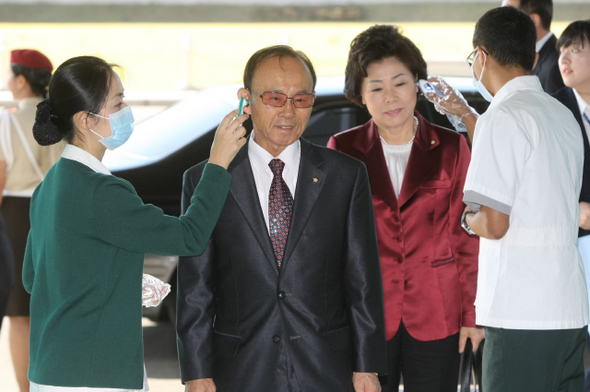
{"points": [[6, 269], [260, 314], [547, 69], [574, 63]]}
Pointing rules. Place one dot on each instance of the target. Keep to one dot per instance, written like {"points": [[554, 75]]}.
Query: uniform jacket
{"points": [[428, 262], [83, 267], [236, 308], [566, 96], [547, 67]]}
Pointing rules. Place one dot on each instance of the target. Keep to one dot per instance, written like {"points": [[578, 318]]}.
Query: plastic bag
{"points": [[153, 291], [451, 103]]}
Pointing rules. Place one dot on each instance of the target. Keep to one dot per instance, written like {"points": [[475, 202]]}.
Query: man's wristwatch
{"points": [[464, 224]]}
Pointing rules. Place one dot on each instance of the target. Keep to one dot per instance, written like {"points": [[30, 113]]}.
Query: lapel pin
{"points": [[316, 180], [433, 142]]}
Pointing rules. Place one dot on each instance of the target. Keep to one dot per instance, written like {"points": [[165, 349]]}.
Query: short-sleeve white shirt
{"points": [[527, 162]]}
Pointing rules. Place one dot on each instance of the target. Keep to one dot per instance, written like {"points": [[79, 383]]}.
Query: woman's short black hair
{"points": [[376, 44], [576, 33], [508, 35], [79, 84], [37, 78]]}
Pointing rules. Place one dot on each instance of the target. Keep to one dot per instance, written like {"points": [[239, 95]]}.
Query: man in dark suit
{"points": [[288, 295], [541, 12]]}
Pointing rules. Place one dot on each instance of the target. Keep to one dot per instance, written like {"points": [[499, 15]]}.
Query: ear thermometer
{"points": [[241, 107], [426, 87]]}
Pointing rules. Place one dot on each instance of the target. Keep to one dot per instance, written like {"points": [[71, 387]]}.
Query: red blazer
{"points": [[428, 262]]}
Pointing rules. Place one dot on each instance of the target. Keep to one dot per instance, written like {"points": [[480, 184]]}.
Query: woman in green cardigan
{"points": [[90, 231]]}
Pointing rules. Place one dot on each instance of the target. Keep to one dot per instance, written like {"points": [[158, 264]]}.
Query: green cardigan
{"points": [[83, 267]]}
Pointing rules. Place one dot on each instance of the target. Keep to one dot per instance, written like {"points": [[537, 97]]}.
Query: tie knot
{"points": [[277, 166]]}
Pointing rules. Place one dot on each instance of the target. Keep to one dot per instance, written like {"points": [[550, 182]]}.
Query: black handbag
{"points": [[470, 368]]}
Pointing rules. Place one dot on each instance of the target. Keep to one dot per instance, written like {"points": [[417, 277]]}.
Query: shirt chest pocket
{"points": [[436, 184]]}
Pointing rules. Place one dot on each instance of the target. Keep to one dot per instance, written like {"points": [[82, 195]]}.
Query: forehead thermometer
{"points": [[426, 87]]}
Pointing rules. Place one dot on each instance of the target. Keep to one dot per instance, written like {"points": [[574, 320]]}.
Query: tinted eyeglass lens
{"points": [[300, 101]]}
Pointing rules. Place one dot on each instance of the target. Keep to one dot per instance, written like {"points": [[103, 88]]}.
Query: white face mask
{"points": [[478, 84]]}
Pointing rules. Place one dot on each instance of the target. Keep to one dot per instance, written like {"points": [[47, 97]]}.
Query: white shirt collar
{"points": [[260, 157], [528, 82], [542, 41], [583, 105], [84, 157]]}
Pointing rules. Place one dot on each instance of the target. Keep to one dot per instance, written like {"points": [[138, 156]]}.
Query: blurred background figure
{"points": [[417, 171], [23, 164], [547, 69], [6, 269], [574, 64]]}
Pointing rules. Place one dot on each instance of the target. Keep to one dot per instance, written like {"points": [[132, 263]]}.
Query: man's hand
{"points": [[200, 385], [585, 215], [366, 382], [476, 334]]}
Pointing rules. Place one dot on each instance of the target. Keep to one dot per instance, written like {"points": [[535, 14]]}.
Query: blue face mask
{"points": [[121, 128], [478, 84]]}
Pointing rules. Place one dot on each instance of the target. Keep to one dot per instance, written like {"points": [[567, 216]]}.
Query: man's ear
{"points": [[245, 93], [536, 20], [481, 57]]}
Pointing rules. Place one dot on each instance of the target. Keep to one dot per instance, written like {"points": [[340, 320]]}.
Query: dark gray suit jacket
{"points": [[547, 68], [236, 309], [566, 96]]}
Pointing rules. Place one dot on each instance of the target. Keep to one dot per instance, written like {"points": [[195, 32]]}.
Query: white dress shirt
{"points": [[527, 162], [263, 175], [397, 162]]}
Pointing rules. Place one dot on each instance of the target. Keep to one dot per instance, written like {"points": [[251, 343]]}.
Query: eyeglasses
{"points": [[278, 100], [471, 58]]}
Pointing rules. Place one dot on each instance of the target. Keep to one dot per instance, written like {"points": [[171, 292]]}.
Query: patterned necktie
{"points": [[280, 209]]}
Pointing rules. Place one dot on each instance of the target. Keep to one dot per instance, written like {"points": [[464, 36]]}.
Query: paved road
{"points": [[160, 358]]}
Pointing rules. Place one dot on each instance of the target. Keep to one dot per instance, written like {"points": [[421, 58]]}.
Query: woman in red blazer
{"points": [[417, 171]]}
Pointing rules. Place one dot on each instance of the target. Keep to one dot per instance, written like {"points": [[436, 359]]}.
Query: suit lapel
{"points": [[420, 165], [368, 143], [572, 103], [544, 54], [244, 192], [310, 182]]}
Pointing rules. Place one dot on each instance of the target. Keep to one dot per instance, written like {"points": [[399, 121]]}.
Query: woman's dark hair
{"points": [[376, 44], [279, 51], [508, 35], [576, 33], [37, 78], [79, 84]]}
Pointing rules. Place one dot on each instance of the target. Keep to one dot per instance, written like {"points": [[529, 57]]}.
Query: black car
{"points": [[164, 146]]}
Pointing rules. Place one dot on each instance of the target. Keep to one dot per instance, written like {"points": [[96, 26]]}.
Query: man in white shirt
{"points": [[541, 12], [522, 190]]}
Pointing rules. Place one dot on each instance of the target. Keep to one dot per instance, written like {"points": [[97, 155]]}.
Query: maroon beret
{"points": [[30, 58]]}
